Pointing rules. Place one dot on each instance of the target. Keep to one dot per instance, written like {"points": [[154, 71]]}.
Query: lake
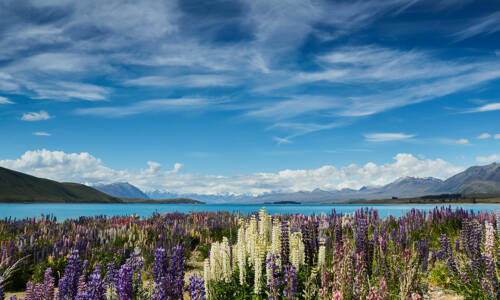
{"points": [[71, 211]]}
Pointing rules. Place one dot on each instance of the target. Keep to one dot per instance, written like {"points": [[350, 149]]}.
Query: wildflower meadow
{"points": [[260, 256]]}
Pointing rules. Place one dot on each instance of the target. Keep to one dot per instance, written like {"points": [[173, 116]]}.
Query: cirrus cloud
{"points": [[387, 137]]}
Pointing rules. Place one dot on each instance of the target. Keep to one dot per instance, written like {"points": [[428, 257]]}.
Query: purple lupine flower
{"points": [[290, 281], [159, 274], [423, 250], [491, 275], [30, 293], [447, 254], [137, 263], [169, 282], [273, 282], [63, 288], [176, 272], [71, 277], [96, 287], [196, 288], [81, 293], [160, 291], [111, 274], [39, 291], [13, 297], [285, 246], [85, 266], [159, 265], [124, 286], [338, 233], [48, 284], [498, 250], [308, 244]]}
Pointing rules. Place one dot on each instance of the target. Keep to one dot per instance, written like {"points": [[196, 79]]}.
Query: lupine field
{"points": [[230, 256]]}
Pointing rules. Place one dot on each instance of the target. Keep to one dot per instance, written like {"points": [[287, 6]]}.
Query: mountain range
{"points": [[19, 187], [474, 180]]}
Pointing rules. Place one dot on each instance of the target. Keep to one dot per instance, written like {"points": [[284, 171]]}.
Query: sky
{"points": [[248, 97]]}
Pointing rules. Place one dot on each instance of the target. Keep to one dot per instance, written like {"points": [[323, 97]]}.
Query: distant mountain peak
{"points": [[122, 189]]}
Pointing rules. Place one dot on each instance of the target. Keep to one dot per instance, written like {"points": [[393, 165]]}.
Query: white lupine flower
{"points": [[206, 272], [234, 256], [251, 237], [259, 260], [264, 224], [321, 253], [215, 262], [242, 259], [225, 255], [489, 244], [276, 237], [296, 249]]}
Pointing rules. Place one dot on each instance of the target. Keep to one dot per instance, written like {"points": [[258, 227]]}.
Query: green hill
{"points": [[16, 187]]}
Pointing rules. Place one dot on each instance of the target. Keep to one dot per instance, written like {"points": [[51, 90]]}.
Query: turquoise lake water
{"points": [[72, 211]]}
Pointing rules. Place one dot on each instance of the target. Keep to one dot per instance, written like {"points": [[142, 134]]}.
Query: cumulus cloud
{"points": [[85, 168], [488, 159], [36, 116], [4, 100], [497, 136], [387, 137], [462, 141], [484, 136], [41, 133]]}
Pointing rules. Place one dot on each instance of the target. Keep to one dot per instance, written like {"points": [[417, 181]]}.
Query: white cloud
{"points": [[483, 26], [4, 100], [281, 140], [378, 64], [389, 78], [41, 133], [497, 136], [488, 159], [85, 168], [70, 90], [288, 109], [148, 106], [462, 141], [196, 81], [487, 107], [484, 136], [387, 137], [36, 116], [99, 42]]}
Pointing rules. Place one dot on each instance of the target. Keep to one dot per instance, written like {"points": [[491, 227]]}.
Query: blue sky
{"points": [[248, 96]]}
